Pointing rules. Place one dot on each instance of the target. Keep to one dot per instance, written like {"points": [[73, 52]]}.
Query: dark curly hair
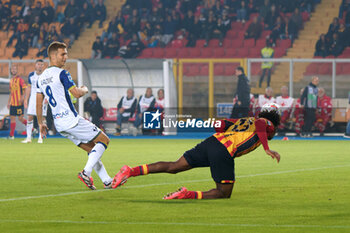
{"points": [[272, 116]]}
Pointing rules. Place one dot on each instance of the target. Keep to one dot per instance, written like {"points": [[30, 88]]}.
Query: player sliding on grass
{"points": [[55, 83], [233, 139]]}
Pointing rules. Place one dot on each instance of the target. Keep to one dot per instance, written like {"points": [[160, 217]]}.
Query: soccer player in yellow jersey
{"points": [[233, 139], [16, 100]]}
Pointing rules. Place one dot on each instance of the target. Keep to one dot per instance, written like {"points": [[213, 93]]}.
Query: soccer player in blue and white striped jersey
{"points": [[54, 84]]}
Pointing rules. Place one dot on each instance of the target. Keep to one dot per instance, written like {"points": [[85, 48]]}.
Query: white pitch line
{"points": [[167, 183], [50, 195], [177, 224]]}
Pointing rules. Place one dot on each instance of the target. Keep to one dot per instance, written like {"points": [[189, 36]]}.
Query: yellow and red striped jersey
{"points": [[245, 135], [17, 87]]}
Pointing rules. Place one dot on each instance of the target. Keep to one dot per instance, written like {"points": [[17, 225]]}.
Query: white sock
{"points": [[29, 130], [102, 173], [39, 134], [94, 156]]}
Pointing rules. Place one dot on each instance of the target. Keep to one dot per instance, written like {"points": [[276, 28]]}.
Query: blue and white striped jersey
{"points": [[55, 84]]}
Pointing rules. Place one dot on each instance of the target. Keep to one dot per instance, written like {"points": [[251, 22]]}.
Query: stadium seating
{"points": [[218, 52], [194, 52], [183, 53], [303, 46], [82, 47], [219, 69]]}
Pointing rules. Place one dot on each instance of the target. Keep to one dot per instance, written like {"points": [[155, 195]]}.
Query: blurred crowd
{"points": [[155, 23], [36, 25], [337, 38]]}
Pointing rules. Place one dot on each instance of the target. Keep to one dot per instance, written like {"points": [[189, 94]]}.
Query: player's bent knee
{"points": [[227, 195], [103, 138], [107, 140], [225, 190], [223, 194]]}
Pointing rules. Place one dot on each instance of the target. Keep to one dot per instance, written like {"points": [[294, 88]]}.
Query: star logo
{"points": [[155, 115], [151, 120]]}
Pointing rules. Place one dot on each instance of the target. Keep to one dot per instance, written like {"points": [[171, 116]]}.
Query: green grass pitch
{"points": [[309, 191]]}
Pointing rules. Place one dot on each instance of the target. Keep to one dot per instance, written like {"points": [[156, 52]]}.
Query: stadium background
{"points": [[308, 191], [202, 74]]}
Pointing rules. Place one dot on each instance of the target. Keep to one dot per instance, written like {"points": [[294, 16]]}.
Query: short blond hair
{"points": [[54, 46]]}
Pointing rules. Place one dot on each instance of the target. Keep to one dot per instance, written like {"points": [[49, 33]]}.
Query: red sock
{"points": [[12, 129], [194, 195], [24, 122], [139, 170]]}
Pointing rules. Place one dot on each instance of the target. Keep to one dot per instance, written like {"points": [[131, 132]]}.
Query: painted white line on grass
{"points": [[167, 183], [50, 195], [177, 224]]}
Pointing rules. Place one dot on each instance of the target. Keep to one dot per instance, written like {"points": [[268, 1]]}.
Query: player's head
{"points": [[57, 53], [239, 70], [130, 93], [284, 91], [315, 80], [149, 92], [14, 70], [39, 66], [272, 113]]}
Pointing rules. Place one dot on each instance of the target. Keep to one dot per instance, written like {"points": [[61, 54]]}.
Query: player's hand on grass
{"points": [[43, 130], [274, 155]]}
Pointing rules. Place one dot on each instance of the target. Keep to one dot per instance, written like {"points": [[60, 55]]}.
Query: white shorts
{"points": [[32, 107], [83, 132]]}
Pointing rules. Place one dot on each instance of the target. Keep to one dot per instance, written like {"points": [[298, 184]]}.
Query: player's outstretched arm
{"points": [[78, 92], [274, 155], [262, 134]]}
